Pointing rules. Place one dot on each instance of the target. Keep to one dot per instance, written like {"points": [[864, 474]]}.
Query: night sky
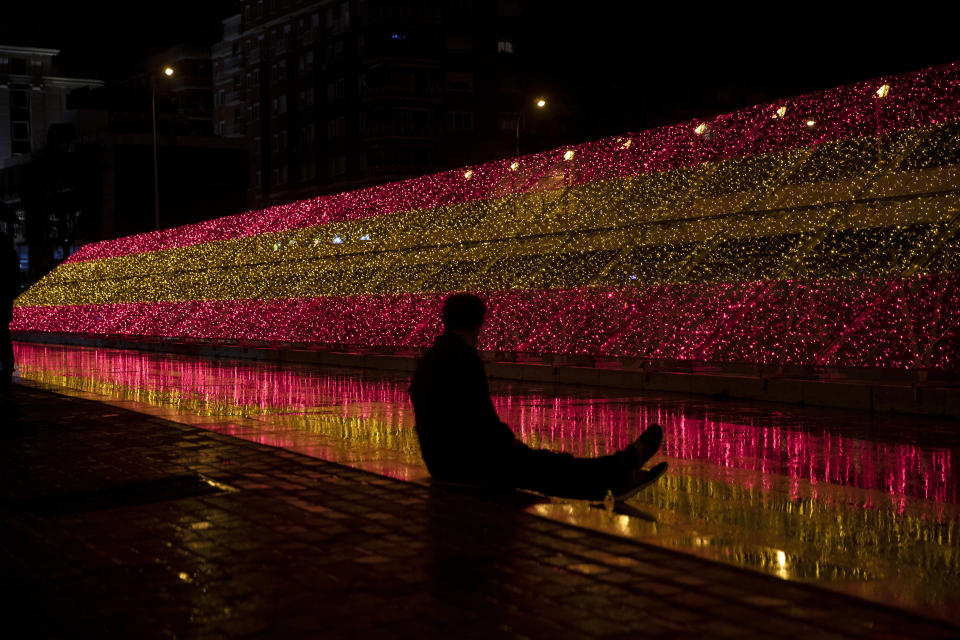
{"points": [[619, 65]]}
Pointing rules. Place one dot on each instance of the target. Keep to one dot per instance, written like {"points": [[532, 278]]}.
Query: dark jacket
{"points": [[461, 437]]}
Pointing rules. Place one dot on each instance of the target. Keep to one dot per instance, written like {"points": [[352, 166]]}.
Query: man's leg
{"points": [[561, 474]]}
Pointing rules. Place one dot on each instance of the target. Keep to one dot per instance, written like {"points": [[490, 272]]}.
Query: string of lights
{"points": [[821, 230]]}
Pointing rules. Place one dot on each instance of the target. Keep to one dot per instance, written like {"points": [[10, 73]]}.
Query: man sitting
{"points": [[463, 440]]}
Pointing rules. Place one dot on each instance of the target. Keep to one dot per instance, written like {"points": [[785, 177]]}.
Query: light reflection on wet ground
{"points": [[866, 505]]}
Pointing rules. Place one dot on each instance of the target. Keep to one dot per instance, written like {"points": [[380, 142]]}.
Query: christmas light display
{"points": [[753, 237]]}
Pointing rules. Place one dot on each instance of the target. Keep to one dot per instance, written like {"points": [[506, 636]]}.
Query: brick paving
{"points": [[118, 524]]}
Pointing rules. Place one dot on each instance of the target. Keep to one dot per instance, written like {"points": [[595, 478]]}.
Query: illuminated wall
{"points": [[819, 230]]}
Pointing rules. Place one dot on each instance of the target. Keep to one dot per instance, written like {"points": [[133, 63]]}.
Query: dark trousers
{"points": [[564, 475]]}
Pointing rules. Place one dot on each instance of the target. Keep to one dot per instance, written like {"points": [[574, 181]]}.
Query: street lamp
{"points": [[167, 71], [540, 103]]}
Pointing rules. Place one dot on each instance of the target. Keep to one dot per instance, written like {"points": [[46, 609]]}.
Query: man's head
{"points": [[463, 313]]}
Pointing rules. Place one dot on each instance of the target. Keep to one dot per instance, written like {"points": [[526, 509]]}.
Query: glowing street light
{"points": [[540, 103], [167, 71], [811, 123], [883, 91]]}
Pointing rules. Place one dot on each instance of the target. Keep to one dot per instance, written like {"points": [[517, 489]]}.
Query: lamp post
{"points": [[540, 103], [167, 71]]}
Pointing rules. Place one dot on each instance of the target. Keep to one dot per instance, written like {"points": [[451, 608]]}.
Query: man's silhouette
{"points": [[463, 440]]}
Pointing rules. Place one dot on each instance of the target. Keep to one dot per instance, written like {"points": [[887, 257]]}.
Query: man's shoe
{"points": [[639, 479], [647, 444]]}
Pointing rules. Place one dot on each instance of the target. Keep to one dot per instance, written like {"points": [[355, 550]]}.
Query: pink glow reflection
{"points": [[376, 417]]}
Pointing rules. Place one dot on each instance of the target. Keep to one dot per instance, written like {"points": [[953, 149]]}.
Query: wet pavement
{"points": [[867, 506], [117, 524]]}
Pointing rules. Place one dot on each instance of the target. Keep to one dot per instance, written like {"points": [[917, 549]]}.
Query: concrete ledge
{"points": [[930, 398]]}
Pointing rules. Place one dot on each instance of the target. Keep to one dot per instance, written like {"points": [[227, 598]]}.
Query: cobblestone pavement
{"points": [[117, 524]]}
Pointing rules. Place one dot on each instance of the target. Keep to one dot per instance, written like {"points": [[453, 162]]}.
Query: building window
{"points": [[283, 103], [458, 41], [335, 90], [460, 121], [508, 122], [308, 58], [20, 138], [308, 96], [504, 46], [221, 97], [283, 174], [337, 165], [275, 106], [336, 128], [255, 112], [459, 82]]}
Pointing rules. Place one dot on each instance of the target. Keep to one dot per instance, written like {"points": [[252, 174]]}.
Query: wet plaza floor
{"points": [[867, 505]]}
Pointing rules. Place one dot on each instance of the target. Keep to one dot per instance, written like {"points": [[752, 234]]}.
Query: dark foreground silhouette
{"points": [[463, 440]]}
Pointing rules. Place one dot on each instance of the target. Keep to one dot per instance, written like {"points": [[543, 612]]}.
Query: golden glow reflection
{"points": [[894, 547]]}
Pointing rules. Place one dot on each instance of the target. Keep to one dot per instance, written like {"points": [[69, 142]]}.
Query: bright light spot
{"points": [[568, 155], [184, 576], [168, 71], [468, 174], [811, 123], [514, 166], [365, 236], [316, 241], [626, 144], [779, 113], [541, 103], [337, 240], [883, 91], [276, 246], [700, 128]]}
